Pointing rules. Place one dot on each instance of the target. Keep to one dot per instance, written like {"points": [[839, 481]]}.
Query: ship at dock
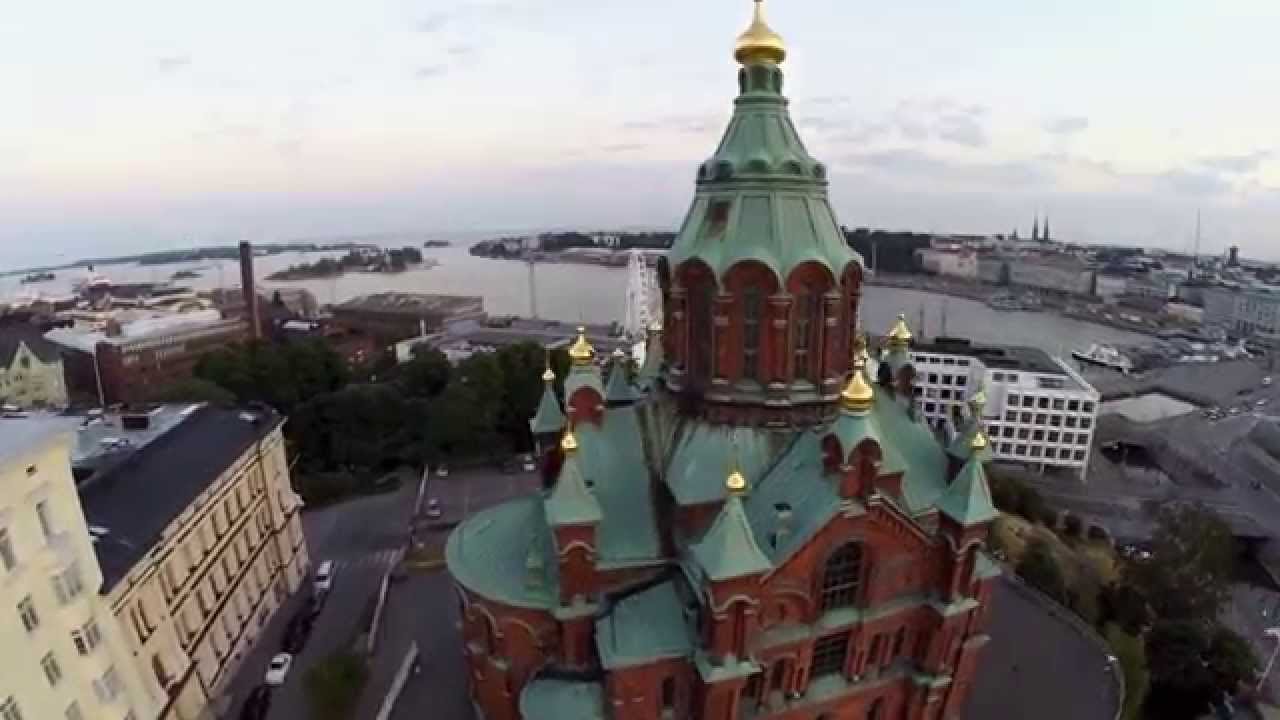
{"points": [[1104, 356]]}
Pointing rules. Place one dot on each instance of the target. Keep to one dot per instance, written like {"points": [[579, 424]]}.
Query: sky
{"points": [[147, 124]]}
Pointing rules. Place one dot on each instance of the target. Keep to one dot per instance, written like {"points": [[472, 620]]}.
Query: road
{"points": [[361, 537]]}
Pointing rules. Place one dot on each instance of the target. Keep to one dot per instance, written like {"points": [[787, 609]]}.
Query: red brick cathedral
{"points": [[757, 522]]}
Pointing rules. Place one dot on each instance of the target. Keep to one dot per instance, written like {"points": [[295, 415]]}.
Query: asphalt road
{"points": [[361, 537]]}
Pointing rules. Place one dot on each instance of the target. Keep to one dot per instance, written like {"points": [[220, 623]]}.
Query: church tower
{"points": [[754, 523]]}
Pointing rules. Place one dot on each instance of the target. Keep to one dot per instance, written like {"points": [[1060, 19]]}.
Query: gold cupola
{"points": [[979, 441], [548, 375], [581, 352], [736, 483], [899, 335], [759, 43], [569, 443], [858, 395]]}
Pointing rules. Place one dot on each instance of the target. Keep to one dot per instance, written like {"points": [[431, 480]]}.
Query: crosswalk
{"points": [[380, 560]]}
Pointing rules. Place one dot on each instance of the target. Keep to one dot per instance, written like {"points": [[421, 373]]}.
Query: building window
{"points": [[1038, 436], [1071, 421], [899, 639], [1073, 405], [1043, 403], [946, 379], [842, 577], [1079, 456], [1026, 418], [1036, 450], [1028, 401], [9, 709], [929, 407], [933, 378], [1087, 407], [829, 655], [1083, 438], [73, 712], [1010, 416], [86, 638], [808, 311], [876, 711], [1011, 377], [1041, 418], [1024, 433], [1053, 436], [43, 515], [962, 380], [668, 694], [751, 304], [1013, 399], [1006, 448], [1058, 403], [27, 611], [52, 672], [1008, 431], [67, 584], [1050, 453], [1020, 450], [998, 377], [1085, 423], [107, 687], [1055, 420], [7, 558]]}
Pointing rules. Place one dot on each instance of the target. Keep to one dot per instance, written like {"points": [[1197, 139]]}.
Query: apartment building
{"points": [[65, 654], [1038, 410], [1243, 312], [199, 541]]}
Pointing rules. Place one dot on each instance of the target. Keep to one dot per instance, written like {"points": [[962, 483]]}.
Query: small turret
{"points": [[619, 390]]}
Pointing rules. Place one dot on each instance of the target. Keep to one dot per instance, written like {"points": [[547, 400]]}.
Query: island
{"points": [[436, 244], [364, 259]]}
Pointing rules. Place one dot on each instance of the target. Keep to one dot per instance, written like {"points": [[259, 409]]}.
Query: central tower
{"points": [[760, 288]]}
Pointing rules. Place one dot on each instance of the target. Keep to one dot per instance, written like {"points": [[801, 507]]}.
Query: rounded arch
{"points": [[696, 346], [843, 569], [808, 283], [748, 352]]}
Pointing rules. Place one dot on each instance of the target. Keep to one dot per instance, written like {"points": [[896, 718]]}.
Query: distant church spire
{"points": [[1035, 228], [1046, 237]]}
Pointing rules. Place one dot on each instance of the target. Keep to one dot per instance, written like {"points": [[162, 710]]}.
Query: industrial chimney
{"points": [[250, 291]]}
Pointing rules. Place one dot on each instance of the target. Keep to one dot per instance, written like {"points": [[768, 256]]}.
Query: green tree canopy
{"points": [[1192, 663], [1186, 576], [279, 374], [1040, 569], [192, 390]]}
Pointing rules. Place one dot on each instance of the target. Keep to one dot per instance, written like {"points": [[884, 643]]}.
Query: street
{"points": [[361, 537]]}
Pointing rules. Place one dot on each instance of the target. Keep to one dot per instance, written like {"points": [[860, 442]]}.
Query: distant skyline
{"points": [[143, 125]]}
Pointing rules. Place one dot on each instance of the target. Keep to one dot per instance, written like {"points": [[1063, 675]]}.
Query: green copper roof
{"points": [[968, 500], [704, 453], [489, 554], [549, 418], [914, 450], [644, 627], [728, 549], [583, 376], [613, 456], [762, 196], [961, 445], [619, 390], [984, 567], [571, 501], [551, 699], [793, 502]]}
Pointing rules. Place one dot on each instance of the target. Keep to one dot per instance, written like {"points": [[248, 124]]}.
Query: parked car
{"points": [[257, 704], [434, 511], [324, 577], [278, 670], [526, 461], [297, 632], [442, 470]]}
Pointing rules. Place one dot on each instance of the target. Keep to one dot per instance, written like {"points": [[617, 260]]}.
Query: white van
{"points": [[324, 576]]}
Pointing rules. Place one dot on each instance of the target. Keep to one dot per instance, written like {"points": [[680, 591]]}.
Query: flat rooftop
{"points": [[549, 333], [21, 432], [1008, 357], [415, 304], [129, 501]]}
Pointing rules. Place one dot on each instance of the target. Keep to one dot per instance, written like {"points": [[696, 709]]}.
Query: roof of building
{"points": [[15, 335], [22, 435], [640, 628], [571, 502], [728, 549], [139, 325], [1009, 357], [968, 499], [130, 503], [489, 554], [618, 389], [581, 376], [410, 304], [549, 418], [548, 698]]}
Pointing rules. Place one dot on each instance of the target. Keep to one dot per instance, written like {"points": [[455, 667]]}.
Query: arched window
{"points": [[807, 311], [876, 711], [842, 577], [752, 303]]}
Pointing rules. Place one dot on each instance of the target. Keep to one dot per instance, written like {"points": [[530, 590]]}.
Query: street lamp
{"points": [[1274, 634]]}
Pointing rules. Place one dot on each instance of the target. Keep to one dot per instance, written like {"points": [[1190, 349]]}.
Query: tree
{"points": [[334, 685], [1187, 573], [192, 390], [281, 375], [1126, 606], [1193, 663], [1040, 569], [426, 374]]}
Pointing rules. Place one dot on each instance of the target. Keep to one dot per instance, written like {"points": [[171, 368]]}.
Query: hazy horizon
{"points": [[148, 126]]}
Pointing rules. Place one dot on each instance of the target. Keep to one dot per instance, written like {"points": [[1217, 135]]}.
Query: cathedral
{"points": [[757, 522]]}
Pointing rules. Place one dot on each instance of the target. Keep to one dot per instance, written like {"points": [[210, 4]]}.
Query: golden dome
{"points": [[569, 443], [860, 352], [581, 352], [900, 334], [858, 394], [548, 375], [978, 399], [979, 441], [736, 483], [759, 43]]}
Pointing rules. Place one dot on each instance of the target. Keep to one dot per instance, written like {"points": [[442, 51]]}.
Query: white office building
{"points": [[1038, 410]]}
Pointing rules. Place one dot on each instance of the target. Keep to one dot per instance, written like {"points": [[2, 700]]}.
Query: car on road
{"points": [[324, 577], [442, 470], [297, 632], [434, 511], [527, 463], [278, 669], [1261, 402], [1266, 381], [257, 704]]}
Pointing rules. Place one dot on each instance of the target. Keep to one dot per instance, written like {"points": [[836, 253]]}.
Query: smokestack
{"points": [[249, 290]]}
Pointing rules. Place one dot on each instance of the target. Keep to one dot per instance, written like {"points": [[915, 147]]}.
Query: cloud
{"points": [[692, 124], [828, 100], [172, 63], [430, 71], [623, 147], [1067, 125], [435, 22], [1246, 163], [462, 50], [1193, 182], [860, 133], [906, 163], [961, 129]]}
